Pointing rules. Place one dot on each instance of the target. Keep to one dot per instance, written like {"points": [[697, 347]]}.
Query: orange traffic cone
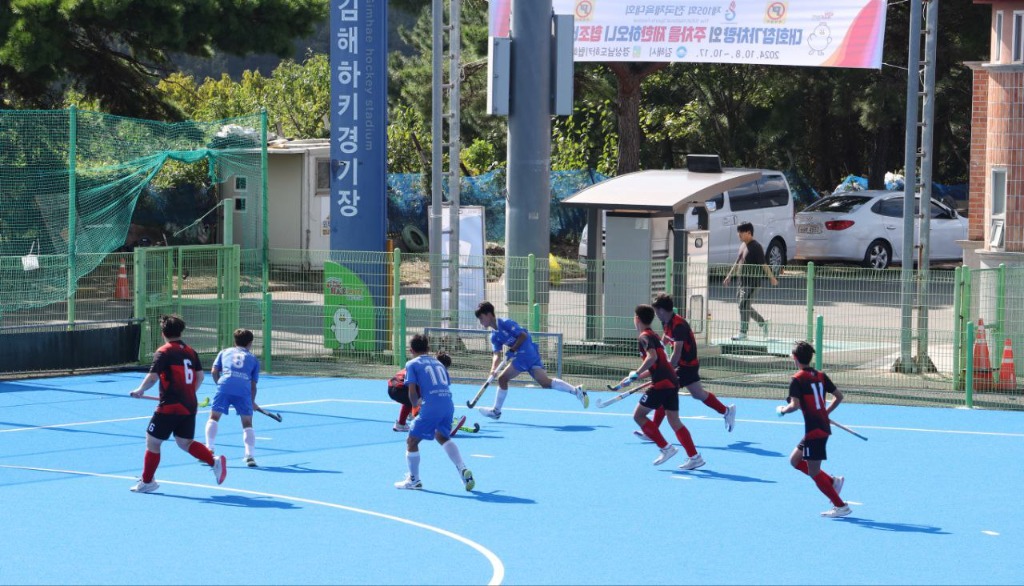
{"points": [[1007, 370], [122, 291], [982, 364]]}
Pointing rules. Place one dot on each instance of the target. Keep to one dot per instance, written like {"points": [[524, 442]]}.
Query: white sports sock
{"points": [[453, 452], [414, 464], [499, 399], [211, 433], [560, 385], [249, 438]]}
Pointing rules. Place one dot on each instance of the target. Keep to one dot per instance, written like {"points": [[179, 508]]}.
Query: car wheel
{"points": [[878, 255], [776, 256]]}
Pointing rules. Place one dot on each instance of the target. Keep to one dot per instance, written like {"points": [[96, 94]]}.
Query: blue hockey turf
{"points": [[563, 495]]}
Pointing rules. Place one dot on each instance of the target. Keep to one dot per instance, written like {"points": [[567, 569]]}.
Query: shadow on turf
{"points": [[235, 500], [746, 447], [560, 427], [487, 497], [296, 469], [712, 475], [895, 527]]}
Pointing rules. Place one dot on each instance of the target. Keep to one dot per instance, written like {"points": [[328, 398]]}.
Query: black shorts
{"points": [[667, 398], [400, 395], [688, 375], [814, 449], [162, 425]]}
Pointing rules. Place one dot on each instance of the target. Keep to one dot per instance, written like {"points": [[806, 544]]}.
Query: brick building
{"points": [[996, 184]]}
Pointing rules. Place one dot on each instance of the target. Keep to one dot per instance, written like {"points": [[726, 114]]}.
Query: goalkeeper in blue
{"points": [[427, 379], [522, 356]]}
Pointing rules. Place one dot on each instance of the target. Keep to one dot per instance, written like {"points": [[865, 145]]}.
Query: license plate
{"points": [[809, 228]]}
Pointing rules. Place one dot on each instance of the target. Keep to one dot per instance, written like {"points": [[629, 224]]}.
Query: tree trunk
{"points": [[630, 76]]}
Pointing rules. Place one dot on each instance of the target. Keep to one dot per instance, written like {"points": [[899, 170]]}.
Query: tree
{"points": [[116, 51]]}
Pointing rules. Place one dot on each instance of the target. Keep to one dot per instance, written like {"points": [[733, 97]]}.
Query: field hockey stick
{"points": [[846, 429], [601, 404], [204, 403], [618, 386], [490, 379], [275, 416]]}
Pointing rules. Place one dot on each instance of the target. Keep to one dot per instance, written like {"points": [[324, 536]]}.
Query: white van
{"points": [[765, 203]]}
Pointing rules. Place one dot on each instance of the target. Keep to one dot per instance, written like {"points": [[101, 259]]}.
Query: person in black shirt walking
{"points": [[750, 268]]}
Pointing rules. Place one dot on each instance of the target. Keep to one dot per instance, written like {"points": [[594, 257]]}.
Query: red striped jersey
{"points": [[662, 374], [177, 363], [679, 331], [810, 387]]}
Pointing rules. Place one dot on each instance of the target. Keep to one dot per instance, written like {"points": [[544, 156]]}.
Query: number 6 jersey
{"points": [[177, 364]]}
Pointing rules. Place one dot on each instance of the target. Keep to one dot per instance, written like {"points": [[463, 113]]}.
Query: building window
{"points": [[240, 205], [323, 176], [1018, 36], [997, 55], [997, 204], [241, 184]]}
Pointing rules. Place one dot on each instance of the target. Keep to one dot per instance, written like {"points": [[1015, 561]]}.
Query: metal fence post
{"points": [[1000, 303], [819, 343], [397, 343], [268, 311], [810, 302], [958, 324], [669, 277], [400, 350], [531, 288], [969, 382]]}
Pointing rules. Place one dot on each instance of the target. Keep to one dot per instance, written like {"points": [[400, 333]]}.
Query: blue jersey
{"points": [[239, 369], [431, 378], [507, 333]]}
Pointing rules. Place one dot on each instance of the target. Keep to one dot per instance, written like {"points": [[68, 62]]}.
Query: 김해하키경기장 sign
{"points": [[813, 33]]}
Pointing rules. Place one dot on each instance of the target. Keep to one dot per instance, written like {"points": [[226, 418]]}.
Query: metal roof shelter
{"points": [[647, 194], [655, 191]]}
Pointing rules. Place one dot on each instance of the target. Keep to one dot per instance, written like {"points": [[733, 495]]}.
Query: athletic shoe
{"points": [[766, 327], [730, 417], [582, 396], [220, 469], [836, 512], [666, 453], [837, 483], [250, 461], [467, 479], [409, 483], [692, 463], [400, 427], [739, 337], [145, 486], [488, 412], [643, 436]]}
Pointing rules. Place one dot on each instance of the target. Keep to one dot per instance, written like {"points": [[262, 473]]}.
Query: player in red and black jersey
{"points": [[807, 391], [178, 369], [663, 392], [684, 360]]}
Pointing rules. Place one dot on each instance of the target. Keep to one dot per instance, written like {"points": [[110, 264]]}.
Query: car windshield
{"points": [[838, 203]]}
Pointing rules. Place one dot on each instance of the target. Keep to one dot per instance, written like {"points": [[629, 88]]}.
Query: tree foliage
{"points": [[116, 50]]}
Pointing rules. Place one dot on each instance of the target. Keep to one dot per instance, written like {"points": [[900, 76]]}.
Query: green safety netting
{"points": [[70, 181]]}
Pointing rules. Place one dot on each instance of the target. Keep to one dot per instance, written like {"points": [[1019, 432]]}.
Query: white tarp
{"points": [[812, 33], [471, 264]]}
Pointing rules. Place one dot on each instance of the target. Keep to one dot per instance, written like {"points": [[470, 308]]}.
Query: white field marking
{"points": [[855, 503], [497, 567], [992, 533], [481, 456], [138, 418], [264, 439], [681, 477]]}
